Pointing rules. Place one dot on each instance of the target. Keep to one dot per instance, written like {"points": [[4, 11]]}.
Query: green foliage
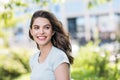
{"points": [[22, 56], [14, 63], [7, 18], [92, 63], [95, 3], [23, 77]]}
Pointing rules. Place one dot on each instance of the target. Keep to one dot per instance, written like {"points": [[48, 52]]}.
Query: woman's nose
{"points": [[41, 31]]}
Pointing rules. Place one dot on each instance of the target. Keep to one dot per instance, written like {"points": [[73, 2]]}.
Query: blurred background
{"points": [[94, 27]]}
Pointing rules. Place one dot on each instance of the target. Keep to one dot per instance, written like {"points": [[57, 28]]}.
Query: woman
{"points": [[54, 59]]}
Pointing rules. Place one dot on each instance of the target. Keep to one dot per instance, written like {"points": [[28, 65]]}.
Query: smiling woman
{"points": [[42, 31], [53, 60]]}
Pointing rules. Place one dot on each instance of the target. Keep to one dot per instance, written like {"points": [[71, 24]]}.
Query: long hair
{"points": [[60, 39]]}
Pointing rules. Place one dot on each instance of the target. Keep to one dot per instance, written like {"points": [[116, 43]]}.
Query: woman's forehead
{"points": [[41, 20]]}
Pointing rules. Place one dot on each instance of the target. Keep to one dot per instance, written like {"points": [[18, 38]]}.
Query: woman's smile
{"points": [[41, 37], [42, 31]]}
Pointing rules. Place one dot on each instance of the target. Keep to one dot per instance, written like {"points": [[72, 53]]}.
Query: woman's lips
{"points": [[41, 37]]}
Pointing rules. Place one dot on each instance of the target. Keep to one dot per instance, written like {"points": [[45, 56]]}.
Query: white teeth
{"points": [[41, 37]]}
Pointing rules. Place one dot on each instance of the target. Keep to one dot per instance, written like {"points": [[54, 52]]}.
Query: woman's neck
{"points": [[45, 49]]}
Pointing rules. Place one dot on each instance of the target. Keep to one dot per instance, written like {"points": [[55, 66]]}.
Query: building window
{"points": [[72, 27]]}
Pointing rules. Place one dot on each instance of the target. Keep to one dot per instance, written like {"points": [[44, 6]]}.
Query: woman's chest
{"points": [[42, 72]]}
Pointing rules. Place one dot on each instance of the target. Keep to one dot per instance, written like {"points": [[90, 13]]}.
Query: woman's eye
{"points": [[36, 27], [47, 27]]}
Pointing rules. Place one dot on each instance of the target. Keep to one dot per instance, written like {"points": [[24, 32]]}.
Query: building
{"points": [[85, 24]]}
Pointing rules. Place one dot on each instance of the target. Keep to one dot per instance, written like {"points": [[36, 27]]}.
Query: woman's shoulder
{"points": [[34, 56], [33, 59], [58, 57], [58, 51]]}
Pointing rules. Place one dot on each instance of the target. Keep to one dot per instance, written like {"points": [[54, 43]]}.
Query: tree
{"points": [[94, 3], [8, 18]]}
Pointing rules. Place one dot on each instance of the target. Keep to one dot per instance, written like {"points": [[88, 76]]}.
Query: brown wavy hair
{"points": [[60, 39]]}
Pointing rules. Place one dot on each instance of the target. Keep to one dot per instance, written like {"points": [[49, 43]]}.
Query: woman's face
{"points": [[42, 31]]}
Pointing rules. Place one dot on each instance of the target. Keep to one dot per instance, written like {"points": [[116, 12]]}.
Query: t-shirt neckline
{"points": [[46, 57]]}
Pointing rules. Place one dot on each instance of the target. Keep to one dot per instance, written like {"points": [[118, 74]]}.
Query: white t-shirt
{"points": [[45, 70]]}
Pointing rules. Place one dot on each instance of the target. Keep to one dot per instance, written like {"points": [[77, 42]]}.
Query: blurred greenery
{"points": [[94, 3], [14, 63], [23, 77], [92, 63]]}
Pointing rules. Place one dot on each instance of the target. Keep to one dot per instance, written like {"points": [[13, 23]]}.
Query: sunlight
{"points": [[1, 8], [4, 1]]}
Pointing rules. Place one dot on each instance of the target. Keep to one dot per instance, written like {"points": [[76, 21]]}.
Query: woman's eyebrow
{"points": [[47, 25], [35, 25]]}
